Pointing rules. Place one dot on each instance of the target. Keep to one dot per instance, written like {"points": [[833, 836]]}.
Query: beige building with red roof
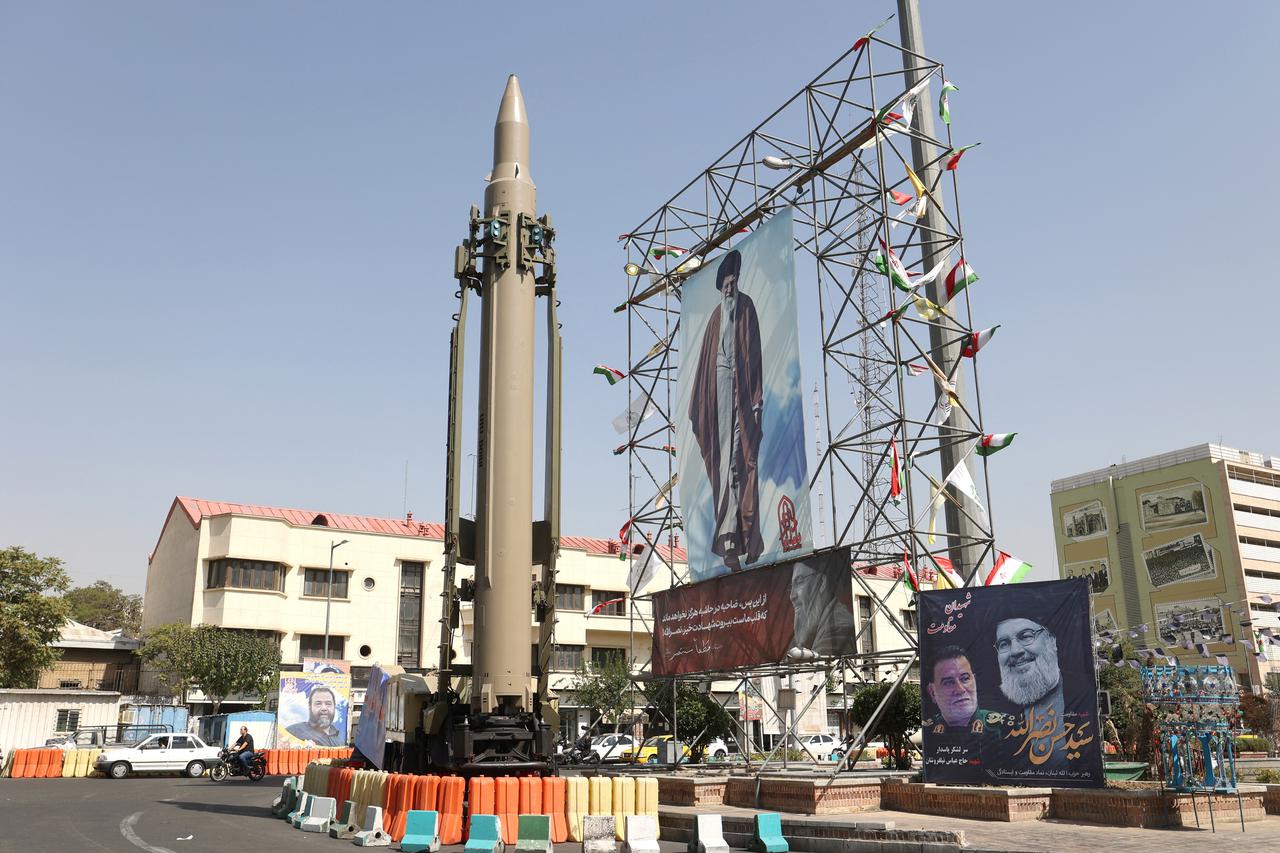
{"points": [[266, 569]]}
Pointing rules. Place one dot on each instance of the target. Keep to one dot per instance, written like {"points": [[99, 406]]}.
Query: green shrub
{"points": [[1267, 776], [1251, 743]]}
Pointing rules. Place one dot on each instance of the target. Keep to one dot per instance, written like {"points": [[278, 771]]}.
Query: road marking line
{"points": [[126, 829]]}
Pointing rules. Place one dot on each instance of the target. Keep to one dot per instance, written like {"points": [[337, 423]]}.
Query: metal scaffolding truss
{"points": [[840, 152]]}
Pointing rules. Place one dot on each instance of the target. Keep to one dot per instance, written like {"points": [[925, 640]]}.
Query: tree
{"points": [[31, 615], [1131, 716], [604, 687], [101, 605], [1257, 711], [694, 713], [900, 718], [220, 661]]}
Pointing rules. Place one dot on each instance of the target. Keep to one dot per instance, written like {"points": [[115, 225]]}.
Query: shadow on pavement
{"points": [[224, 808]]}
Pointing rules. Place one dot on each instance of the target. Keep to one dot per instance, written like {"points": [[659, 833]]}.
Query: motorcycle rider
{"points": [[244, 749]]}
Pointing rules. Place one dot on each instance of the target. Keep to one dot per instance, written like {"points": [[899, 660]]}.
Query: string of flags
{"points": [[944, 106], [993, 443]]}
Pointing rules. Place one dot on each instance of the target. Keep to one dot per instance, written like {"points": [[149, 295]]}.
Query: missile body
{"points": [[504, 457]]}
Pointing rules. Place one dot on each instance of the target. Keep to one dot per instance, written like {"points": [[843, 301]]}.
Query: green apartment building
{"points": [[1186, 543]]}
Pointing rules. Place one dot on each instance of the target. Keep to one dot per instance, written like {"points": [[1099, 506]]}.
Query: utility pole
{"points": [[961, 529]]}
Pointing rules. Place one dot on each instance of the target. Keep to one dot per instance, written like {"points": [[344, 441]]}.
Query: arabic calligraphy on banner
{"points": [[800, 610], [1010, 692]]}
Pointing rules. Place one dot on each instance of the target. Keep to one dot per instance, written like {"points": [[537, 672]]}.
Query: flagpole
{"points": [[961, 530]]}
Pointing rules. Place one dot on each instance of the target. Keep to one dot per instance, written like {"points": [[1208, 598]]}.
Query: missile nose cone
{"points": [[511, 135]]}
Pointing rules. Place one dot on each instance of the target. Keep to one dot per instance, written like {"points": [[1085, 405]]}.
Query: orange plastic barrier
{"points": [[530, 795], [295, 762], [20, 757], [480, 798], [553, 804], [426, 794], [331, 785], [507, 806], [404, 802], [42, 764], [450, 797], [55, 763]]}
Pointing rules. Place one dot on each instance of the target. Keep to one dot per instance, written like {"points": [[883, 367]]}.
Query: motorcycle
{"points": [[579, 753], [229, 765]]}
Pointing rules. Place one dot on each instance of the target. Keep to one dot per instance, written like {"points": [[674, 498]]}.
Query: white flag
{"points": [[963, 481], [641, 408]]}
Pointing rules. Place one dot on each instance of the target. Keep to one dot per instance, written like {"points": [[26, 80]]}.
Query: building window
{"points": [[608, 603], [568, 597], [312, 646], [409, 648], [70, 684], [233, 573], [1256, 510], [68, 720], [1254, 540], [567, 658], [315, 583], [1249, 475], [603, 655], [910, 621], [866, 625]]}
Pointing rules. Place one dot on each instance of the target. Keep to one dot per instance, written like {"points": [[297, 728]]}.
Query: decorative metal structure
{"points": [[1198, 719], [890, 361]]}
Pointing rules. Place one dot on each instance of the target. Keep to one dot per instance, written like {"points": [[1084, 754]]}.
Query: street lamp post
{"points": [[328, 593]]}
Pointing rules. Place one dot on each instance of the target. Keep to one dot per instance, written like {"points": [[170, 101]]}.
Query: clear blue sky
{"points": [[227, 229]]}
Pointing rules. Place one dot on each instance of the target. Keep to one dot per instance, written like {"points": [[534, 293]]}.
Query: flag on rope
{"points": [[612, 375], [862, 42], [1223, 660], [977, 340], [927, 308], [660, 500], [915, 368], [953, 161], [1007, 570], [670, 448], [621, 449], [900, 198], [993, 443], [664, 251], [893, 268], [946, 572], [944, 106], [922, 195], [895, 478], [906, 106], [910, 573], [960, 277], [640, 409], [963, 482], [896, 314], [927, 278], [602, 605], [1203, 648]]}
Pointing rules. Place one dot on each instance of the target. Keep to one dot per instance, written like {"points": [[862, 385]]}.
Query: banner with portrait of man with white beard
{"points": [[1010, 692]]}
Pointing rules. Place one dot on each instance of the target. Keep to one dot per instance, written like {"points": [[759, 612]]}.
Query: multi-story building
{"points": [[1186, 543], [266, 569]]}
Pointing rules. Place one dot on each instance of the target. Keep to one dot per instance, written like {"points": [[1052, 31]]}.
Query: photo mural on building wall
{"points": [[1009, 687], [1104, 622], [1180, 561], [1096, 571], [1172, 507], [1086, 522], [314, 709], [1190, 622]]}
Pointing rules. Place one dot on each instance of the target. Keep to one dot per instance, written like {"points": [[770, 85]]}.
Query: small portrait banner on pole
{"points": [[315, 708]]}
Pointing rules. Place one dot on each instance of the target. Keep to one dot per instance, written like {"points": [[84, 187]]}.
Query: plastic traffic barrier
{"points": [[576, 805], [420, 834], [484, 834], [507, 806], [372, 834], [553, 804]]}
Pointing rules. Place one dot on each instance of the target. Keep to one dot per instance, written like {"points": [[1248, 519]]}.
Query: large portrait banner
{"points": [[800, 610], [371, 731], [1010, 694], [739, 413], [314, 710]]}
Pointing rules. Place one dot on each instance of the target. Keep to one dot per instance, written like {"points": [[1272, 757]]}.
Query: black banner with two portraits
{"points": [[1010, 693]]}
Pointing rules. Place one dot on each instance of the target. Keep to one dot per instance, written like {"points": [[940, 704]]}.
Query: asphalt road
{"points": [[157, 815]]}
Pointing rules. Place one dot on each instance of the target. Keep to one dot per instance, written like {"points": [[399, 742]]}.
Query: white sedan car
{"points": [[162, 753]]}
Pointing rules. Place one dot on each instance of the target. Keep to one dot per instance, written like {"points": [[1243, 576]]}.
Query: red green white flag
{"points": [[1007, 570], [862, 42], [893, 268], [602, 605], [900, 198], [910, 573], [977, 340], [993, 443], [953, 160], [663, 251], [611, 374], [896, 478], [960, 277], [944, 107]]}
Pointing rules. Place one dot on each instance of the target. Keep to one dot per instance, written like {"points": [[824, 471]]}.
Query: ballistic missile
{"points": [[504, 455]]}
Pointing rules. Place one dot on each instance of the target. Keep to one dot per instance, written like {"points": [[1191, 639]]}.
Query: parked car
{"points": [[650, 752], [612, 747], [121, 734], [718, 750], [820, 747], [160, 753]]}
